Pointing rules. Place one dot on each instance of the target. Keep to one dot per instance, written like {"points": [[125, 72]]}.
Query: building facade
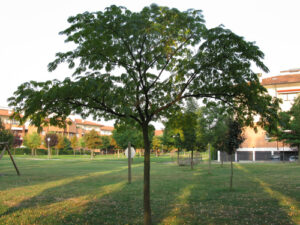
{"points": [[257, 145], [74, 127]]}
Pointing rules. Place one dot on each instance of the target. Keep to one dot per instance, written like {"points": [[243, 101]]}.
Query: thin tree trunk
{"points": [[178, 156], [299, 154], [32, 152], [147, 206], [231, 174], [222, 161], [118, 153], [92, 154], [192, 160], [209, 159]]}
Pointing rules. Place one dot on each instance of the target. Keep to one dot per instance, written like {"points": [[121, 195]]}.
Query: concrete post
{"points": [[235, 157], [253, 156], [219, 156]]}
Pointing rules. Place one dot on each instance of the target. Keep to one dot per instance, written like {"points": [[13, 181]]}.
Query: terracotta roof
{"points": [[89, 123], [290, 70], [5, 112], [282, 79], [289, 90], [107, 128], [158, 132]]}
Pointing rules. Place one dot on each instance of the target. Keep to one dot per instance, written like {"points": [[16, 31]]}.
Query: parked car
{"points": [[293, 158], [275, 157]]}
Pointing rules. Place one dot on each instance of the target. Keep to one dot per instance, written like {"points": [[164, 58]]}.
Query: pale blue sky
{"points": [[29, 32]]}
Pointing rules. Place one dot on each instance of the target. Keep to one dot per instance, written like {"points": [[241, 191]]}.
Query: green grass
{"points": [[76, 190]]}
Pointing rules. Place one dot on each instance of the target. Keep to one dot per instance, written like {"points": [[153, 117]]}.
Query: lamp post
{"points": [[49, 139]]}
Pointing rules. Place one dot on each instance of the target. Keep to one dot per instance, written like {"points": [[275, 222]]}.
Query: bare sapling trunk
{"points": [[118, 153], [129, 162], [209, 159], [178, 156], [92, 154], [231, 174], [222, 161], [147, 206], [299, 154], [192, 159]]}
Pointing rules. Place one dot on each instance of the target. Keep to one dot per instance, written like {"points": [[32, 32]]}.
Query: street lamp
{"points": [[48, 139]]}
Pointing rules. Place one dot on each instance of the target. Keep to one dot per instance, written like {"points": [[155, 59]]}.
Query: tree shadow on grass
{"points": [[247, 203], [206, 199], [34, 174], [61, 196], [126, 206]]}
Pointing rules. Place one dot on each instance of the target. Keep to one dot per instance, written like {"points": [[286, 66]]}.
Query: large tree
{"points": [[140, 66]]}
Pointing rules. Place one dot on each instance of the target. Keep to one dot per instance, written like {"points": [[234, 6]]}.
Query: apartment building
{"points": [[257, 145], [74, 127]]}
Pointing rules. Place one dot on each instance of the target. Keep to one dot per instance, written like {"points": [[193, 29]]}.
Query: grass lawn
{"points": [[76, 190]]}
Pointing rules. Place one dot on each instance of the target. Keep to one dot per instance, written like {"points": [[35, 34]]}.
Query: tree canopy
{"points": [[288, 126], [5, 135], [124, 133], [140, 66], [92, 140], [32, 141]]}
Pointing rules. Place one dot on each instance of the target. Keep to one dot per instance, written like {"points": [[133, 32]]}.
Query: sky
{"points": [[29, 35]]}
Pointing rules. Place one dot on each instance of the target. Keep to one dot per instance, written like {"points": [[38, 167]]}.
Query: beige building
{"points": [[257, 145], [76, 127]]}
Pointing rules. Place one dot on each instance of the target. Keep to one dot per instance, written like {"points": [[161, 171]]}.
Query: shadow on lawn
{"points": [[71, 191], [126, 206], [207, 200], [35, 173]]}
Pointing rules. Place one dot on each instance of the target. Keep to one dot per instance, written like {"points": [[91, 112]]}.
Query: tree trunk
{"points": [[192, 159], [299, 154], [209, 159], [222, 161], [32, 152], [231, 174], [92, 154], [147, 206], [118, 153], [178, 156]]}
